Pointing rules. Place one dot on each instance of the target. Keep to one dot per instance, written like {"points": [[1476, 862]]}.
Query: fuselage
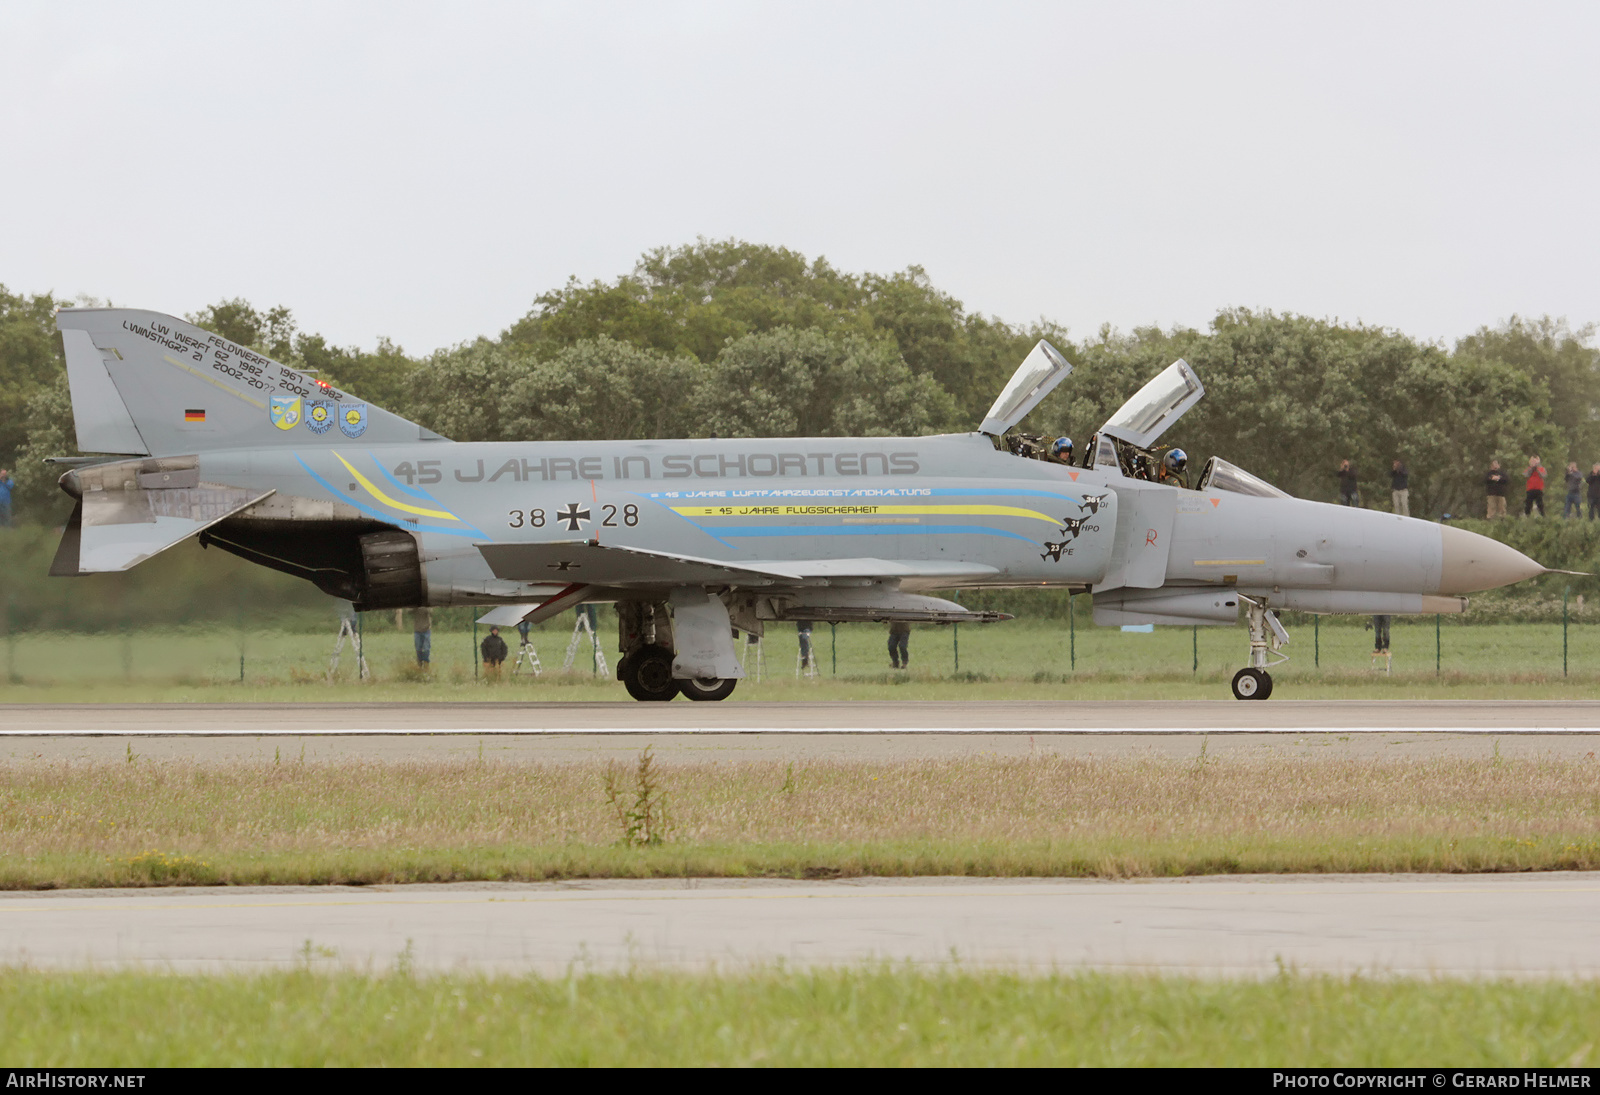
{"points": [[946, 499]]}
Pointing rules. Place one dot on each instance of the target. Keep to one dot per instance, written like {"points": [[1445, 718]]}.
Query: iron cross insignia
{"points": [[573, 516]]}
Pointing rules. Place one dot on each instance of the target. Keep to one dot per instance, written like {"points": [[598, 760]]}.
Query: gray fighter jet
{"points": [[693, 539]]}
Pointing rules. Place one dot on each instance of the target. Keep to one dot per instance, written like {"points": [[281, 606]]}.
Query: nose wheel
{"points": [[1252, 684], [1267, 638]]}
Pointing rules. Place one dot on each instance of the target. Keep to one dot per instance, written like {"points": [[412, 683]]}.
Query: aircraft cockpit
{"points": [[1128, 442]]}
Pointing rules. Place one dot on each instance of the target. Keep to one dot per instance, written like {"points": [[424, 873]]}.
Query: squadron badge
{"points": [[285, 411], [353, 419], [319, 416]]}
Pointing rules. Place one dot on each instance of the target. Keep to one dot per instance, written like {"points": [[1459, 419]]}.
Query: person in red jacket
{"points": [[1535, 491]]}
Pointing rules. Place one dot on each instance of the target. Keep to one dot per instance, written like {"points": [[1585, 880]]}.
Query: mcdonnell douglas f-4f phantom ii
{"points": [[691, 539]]}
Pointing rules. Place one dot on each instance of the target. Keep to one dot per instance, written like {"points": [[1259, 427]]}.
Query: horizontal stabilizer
{"points": [[132, 509]]}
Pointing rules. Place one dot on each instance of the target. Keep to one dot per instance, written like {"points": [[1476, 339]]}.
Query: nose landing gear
{"points": [[1267, 636]]}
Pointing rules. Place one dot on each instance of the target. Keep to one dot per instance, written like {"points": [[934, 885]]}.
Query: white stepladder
{"points": [[753, 641], [527, 655], [347, 629], [585, 627]]}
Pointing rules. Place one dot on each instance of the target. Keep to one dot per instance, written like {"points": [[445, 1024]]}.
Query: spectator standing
{"points": [[1495, 484], [1535, 488], [1348, 491], [899, 644], [494, 652], [1380, 635], [6, 485], [1594, 491], [1400, 489], [1573, 503], [422, 633]]}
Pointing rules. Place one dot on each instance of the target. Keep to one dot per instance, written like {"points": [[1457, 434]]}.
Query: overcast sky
{"points": [[423, 171]]}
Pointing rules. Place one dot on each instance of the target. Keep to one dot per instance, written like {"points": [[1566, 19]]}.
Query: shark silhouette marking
{"points": [[1092, 503]]}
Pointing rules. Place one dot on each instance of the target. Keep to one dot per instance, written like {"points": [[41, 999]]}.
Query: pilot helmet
{"points": [[1061, 448], [1176, 460]]}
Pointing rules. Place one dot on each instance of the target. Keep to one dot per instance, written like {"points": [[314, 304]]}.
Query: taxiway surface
{"points": [[1534, 925], [1038, 716]]}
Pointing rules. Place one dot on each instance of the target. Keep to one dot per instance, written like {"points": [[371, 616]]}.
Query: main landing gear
{"points": [[649, 637], [1267, 636]]}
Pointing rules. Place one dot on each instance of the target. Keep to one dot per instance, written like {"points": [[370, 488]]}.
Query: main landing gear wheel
{"points": [[1252, 684], [708, 688], [647, 674]]}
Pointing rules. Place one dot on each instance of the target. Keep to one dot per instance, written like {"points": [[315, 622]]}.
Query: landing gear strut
{"points": [[1267, 636]]}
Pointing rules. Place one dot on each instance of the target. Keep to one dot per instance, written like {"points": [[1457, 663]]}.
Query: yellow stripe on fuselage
{"points": [[862, 511], [386, 500]]}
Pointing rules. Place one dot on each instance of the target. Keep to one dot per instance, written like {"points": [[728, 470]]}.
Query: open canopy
{"points": [[1156, 406], [1035, 378]]}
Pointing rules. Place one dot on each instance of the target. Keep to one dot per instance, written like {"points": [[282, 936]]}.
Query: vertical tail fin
{"points": [[149, 384]]}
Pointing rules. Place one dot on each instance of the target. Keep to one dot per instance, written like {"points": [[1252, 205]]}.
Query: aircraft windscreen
{"points": [[1221, 475], [1167, 393]]}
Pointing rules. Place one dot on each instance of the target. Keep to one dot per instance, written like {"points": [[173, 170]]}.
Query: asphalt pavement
{"points": [[1530, 925]]}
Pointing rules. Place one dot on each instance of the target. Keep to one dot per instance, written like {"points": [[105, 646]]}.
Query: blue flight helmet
{"points": [[1176, 460], [1061, 449]]}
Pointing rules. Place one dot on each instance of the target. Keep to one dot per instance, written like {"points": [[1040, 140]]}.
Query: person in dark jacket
{"points": [[1400, 489], [1348, 491], [1535, 487], [1573, 503], [1594, 491], [494, 652], [1495, 484]]}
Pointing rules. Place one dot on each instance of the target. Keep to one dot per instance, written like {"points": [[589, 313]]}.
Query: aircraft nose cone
{"points": [[1473, 563]]}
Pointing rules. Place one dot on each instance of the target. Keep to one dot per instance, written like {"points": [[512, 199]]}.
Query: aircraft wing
{"points": [[599, 564]]}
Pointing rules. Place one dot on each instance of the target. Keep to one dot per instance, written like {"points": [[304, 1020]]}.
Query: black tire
{"points": [[1252, 684], [708, 688], [649, 674]]}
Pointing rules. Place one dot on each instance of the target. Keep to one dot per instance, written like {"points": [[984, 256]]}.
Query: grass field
{"points": [[1490, 661], [881, 1016], [138, 823]]}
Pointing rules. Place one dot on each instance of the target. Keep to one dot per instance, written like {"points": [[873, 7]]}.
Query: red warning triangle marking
{"points": [[1214, 502], [1074, 476]]}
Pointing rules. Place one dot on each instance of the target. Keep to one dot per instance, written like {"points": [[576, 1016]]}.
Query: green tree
{"points": [[1548, 350], [601, 388], [804, 383], [30, 360]]}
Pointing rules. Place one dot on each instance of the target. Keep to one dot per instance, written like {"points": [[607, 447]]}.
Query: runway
{"points": [[1535, 925], [850, 717]]}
